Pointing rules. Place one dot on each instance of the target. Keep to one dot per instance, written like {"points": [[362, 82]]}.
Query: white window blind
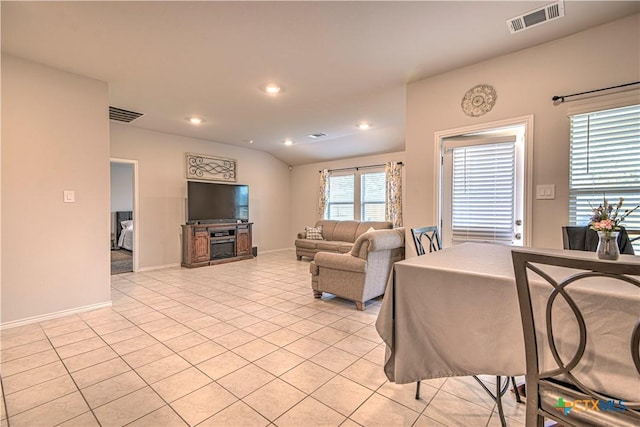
{"points": [[483, 192], [605, 159], [373, 196], [341, 202], [357, 195]]}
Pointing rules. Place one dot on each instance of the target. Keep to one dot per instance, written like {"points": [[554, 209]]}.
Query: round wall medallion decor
{"points": [[479, 100]]}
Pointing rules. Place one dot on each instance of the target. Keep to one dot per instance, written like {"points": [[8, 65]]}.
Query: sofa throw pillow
{"points": [[314, 233]]}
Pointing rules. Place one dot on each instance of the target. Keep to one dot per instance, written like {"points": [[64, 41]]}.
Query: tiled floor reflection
{"points": [[238, 344]]}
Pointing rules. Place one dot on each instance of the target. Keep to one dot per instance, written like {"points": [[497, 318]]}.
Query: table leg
{"points": [[500, 390], [499, 394], [515, 389]]}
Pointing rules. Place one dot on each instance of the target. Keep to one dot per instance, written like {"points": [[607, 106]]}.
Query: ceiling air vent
{"points": [[317, 135], [120, 115], [536, 17]]}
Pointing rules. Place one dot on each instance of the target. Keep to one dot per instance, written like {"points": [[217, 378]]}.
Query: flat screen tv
{"points": [[217, 202]]}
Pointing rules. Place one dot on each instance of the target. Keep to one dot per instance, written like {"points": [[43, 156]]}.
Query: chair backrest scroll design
{"points": [[429, 234]]}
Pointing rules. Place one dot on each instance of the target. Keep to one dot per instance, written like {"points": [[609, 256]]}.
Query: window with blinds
{"points": [[482, 190], [373, 196], [358, 195], [483, 206], [341, 201], [605, 160]]}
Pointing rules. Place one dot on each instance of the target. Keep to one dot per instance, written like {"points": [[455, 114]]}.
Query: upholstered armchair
{"points": [[362, 273]]}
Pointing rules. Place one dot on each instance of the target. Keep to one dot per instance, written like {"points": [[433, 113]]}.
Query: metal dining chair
{"points": [[551, 296], [430, 234], [429, 237], [582, 238]]}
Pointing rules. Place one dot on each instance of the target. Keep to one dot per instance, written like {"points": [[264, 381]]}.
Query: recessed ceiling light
{"points": [[364, 126], [288, 142], [250, 141], [272, 89], [195, 120]]}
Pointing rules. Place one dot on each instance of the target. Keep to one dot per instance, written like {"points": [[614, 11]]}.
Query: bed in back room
{"points": [[122, 226]]}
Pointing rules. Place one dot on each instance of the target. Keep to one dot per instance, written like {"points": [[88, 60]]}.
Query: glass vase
{"points": [[608, 245]]}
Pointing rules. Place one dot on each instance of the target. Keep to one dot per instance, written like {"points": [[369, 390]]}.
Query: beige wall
{"points": [[305, 187], [525, 81], [162, 190], [55, 137]]}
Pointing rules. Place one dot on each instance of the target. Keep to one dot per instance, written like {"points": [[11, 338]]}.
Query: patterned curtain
{"points": [[324, 194], [393, 172]]}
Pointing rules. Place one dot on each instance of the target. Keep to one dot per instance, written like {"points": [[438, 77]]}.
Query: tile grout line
{"points": [[183, 292], [279, 347], [74, 383], [196, 367], [4, 402], [127, 394]]}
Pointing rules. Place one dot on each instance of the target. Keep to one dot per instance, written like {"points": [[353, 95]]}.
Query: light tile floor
{"points": [[238, 344]]}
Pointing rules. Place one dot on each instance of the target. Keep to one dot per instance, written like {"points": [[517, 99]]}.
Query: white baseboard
{"points": [[55, 315], [157, 267], [276, 250]]}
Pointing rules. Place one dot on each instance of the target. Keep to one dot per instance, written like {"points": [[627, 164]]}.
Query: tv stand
{"points": [[213, 243]]}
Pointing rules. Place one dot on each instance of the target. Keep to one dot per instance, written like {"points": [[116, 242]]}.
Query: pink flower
{"points": [[605, 224]]}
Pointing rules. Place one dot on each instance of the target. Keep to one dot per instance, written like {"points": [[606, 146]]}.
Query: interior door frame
{"points": [[136, 204], [527, 122]]}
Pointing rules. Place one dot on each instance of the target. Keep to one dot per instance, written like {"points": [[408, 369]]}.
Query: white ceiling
{"points": [[339, 62]]}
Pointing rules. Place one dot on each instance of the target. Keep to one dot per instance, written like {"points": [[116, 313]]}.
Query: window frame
{"points": [[577, 216], [358, 204], [329, 203], [363, 203], [509, 145], [528, 123]]}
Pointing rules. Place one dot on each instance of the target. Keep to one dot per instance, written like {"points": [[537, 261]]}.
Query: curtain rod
{"points": [[562, 97], [359, 167]]}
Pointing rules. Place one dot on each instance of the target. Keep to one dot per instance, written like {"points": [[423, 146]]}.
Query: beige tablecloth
{"points": [[455, 313]]}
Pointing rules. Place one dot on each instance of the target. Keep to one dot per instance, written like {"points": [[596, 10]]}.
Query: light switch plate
{"points": [[546, 192], [69, 196]]}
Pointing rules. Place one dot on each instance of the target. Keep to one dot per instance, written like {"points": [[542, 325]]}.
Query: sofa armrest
{"points": [[344, 262], [385, 240], [378, 240]]}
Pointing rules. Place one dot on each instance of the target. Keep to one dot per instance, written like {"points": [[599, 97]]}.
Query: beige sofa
{"points": [[362, 273], [338, 236]]}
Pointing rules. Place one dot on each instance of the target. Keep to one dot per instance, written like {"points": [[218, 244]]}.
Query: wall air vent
{"points": [[536, 17], [120, 115]]}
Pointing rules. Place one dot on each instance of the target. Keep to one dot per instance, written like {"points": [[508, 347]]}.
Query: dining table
{"points": [[455, 312]]}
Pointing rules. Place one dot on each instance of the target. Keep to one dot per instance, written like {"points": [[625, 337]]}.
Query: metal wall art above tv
{"points": [[215, 203]]}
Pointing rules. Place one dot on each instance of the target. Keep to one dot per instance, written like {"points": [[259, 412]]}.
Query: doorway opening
{"points": [[123, 216]]}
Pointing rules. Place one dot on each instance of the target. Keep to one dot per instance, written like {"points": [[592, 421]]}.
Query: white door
{"points": [[482, 190]]}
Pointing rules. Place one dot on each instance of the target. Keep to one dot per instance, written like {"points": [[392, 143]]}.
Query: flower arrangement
{"points": [[607, 217]]}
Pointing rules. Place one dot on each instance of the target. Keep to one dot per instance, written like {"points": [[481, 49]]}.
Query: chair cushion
{"points": [[345, 247], [307, 244], [332, 246], [344, 262], [328, 227], [346, 231], [366, 226]]}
